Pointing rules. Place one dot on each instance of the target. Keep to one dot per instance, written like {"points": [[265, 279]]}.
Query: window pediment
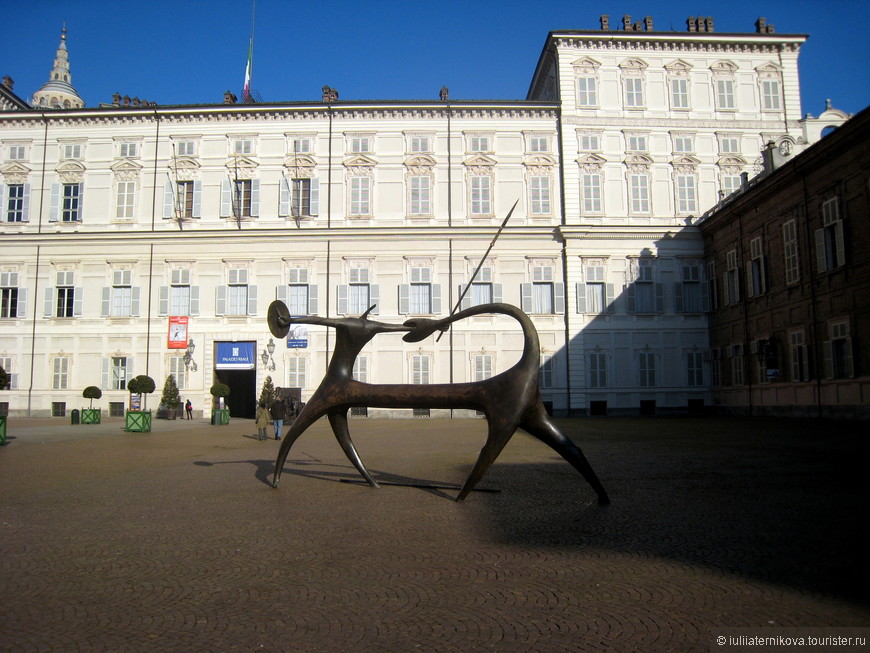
{"points": [[71, 167], [734, 161], [360, 161], [540, 160], [479, 160], [678, 66], [591, 160], [15, 172], [420, 160], [633, 66], [245, 166], [585, 65], [300, 160], [125, 166], [638, 160], [769, 70], [724, 68], [685, 161]]}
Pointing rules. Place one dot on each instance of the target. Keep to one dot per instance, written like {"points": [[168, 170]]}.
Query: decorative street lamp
{"points": [[188, 356], [266, 356]]}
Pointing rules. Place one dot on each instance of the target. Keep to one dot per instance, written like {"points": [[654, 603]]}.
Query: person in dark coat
{"points": [[278, 411]]}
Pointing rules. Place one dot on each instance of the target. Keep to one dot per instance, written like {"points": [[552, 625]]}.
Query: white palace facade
{"points": [[130, 230]]}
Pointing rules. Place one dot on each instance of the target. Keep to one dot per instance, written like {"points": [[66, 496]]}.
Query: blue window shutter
{"points": [[226, 199], [134, 302], [404, 299], [252, 300], [315, 197], [312, 299], [375, 298], [78, 301], [558, 298], [283, 197], [197, 199], [25, 204], [255, 197], [220, 301], [581, 297], [163, 301], [341, 299], [106, 303], [194, 300], [436, 298], [54, 211], [168, 199], [48, 304], [526, 297]]}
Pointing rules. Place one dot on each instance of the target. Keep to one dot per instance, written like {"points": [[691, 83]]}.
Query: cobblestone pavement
{"points": [[174, 541]]}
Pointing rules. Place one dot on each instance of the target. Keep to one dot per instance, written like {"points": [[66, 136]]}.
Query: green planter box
{"points": [[91, 415], [138, 421], [2, 430], [220, 416]]}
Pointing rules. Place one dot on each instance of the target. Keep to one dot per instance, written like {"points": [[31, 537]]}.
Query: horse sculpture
{"points": [[509, 400]]}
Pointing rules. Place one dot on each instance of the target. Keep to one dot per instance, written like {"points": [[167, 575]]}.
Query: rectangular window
{"points": [[790, 251], [838, 352], [799, 357], [636, 143], [647, 368], [125, 199], [732, 278], [70, 211], [6, 364], [729, 144], [297, 368], [72, 151], [119, 373], [712, 286], [770, 95], [679, 93], [687, 194], [300, 203], [590, 191], [420, 144], [542, 297], [15, 203], [695, 369], [539, 144], [243, 146], [596, 295], [360, 196], [179, 292], [482, 367], [17, 152], [184, 199], [65, 291], [185, 148], [736, 364], [242, 198], [643, 288], [730, 184], [9, 295], [633, 92], [122, 293], [597, 370], [756, 273], [359, 291], [639, 190], [420, 199], [690, 295], [830, 243], [129, 150], [237, 291], [683, 143], [360, 370], [481, 195], [545, 372], [420, 365], [479, 144], [725, 94], [178, 369], [60, 373], [539, 192], [421, 291], [590, 142], [301, 145], [360, 144], [587, 92]]}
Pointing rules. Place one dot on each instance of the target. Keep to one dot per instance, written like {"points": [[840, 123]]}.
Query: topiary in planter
{"points": [[92, 392]]}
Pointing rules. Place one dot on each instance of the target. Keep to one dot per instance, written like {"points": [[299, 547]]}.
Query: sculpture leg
{"points": [[338, 420], [537, 423], [499, 434], [314, 410]]}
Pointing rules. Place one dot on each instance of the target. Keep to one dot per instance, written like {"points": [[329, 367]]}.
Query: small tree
{"points": [[141, 384], [92, 392], [4, 379], [219, 390], [267, 395], [171, 398]]}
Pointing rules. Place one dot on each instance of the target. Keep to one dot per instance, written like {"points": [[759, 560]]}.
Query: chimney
{"points": [[692, 24], [7, 82], [626, 23], [762, 27], [116, 99], [605, 22], [648, 23], [710, 24]]}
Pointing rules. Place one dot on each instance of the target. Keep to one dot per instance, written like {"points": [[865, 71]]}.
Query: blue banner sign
{"points": [[235, 356]]}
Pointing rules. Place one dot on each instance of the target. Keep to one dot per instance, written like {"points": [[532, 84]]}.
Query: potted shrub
{"points": [[171, 399], [267, 394], [137, 419], [91, 415], [4, 381], [220, 414]]}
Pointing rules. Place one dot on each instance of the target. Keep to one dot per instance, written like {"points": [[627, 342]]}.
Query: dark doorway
{"points": [[242, 401]]}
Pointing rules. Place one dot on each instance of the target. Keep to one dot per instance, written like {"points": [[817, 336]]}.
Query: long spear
{"points": [[480, 265]]}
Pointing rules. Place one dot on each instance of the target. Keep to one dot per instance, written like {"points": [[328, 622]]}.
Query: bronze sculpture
{"points": [[509, 400]]}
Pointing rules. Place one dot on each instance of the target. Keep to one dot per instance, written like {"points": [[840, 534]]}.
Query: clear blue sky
{"points": [[191, 51]]}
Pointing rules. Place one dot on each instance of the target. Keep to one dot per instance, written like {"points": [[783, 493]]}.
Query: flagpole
{"points": [[249, 66]]}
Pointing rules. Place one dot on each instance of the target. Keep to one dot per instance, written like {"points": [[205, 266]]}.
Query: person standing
{"points": [[188, 409], [278, 411], [262, 420]]}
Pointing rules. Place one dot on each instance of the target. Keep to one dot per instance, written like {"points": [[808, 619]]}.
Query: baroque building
{"points": [[143, 239]]}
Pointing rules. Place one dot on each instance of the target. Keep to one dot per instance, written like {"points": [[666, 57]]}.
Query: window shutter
{"points": [[341, 299], [194, 300], [631, 297], [315, 197], [25, 204], [497, 293], [436, 298], [78, 301], [466, 301], [48, 304], [678, 297], [660, 297], [221, 300], [2, 201], [226, 199], [821, 259], [255, 197], [252, 300], [281, 293], [22, 303], [847, 355], [526, 297], [559, 298], [404, 299], [128, 366], [54, 212], [81, 212], [197, 199], [581, 297], [828, 362], [375, 298], [839, 242], [163, 301], [105, 364], [134, 301], [608, 298], [312, 299], [168, 199], [106, 303], [750, 281], [283, 197]]}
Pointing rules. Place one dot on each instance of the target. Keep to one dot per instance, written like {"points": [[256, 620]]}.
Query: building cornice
{"points": [[678, 41]]}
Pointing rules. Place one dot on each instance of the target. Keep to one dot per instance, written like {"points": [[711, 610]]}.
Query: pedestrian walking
{"points": [[188, 409], [262, 420], [278, 411]]}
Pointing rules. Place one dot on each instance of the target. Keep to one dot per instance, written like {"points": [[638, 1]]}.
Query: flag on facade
{"points": [[246, 93]]}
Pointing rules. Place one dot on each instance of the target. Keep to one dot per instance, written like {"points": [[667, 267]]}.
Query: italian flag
{"points": [[246, 93]]}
